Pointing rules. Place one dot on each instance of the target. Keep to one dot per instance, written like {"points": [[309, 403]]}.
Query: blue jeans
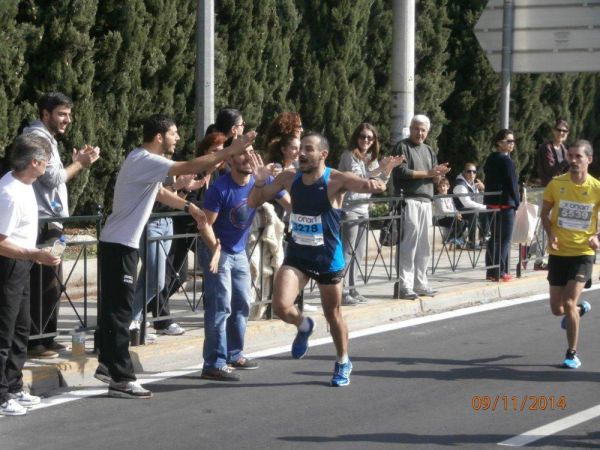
{"points": [[227, 297], [157, 258], [499, 244]]}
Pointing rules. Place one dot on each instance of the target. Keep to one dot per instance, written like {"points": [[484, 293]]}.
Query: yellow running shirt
{"points": [[574, 213]]}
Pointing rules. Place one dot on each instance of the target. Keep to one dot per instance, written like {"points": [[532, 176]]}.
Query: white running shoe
{"points": [[172, 330], [128, 389], [12, 408], [26, 399]]}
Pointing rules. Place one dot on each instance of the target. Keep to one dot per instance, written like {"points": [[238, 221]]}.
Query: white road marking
{"points": [[154, 378], [552, 428]]}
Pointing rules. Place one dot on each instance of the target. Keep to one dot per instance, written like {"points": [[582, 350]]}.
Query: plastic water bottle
{"points": [[78, 342], [58, 247]]}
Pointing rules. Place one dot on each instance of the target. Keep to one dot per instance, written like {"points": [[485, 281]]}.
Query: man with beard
{"points": [[52, 200], [227, 282], [569, 216], [315, 248], [139, 184]]}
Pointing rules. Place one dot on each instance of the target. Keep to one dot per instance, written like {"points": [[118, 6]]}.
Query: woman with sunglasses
{"points": [[501, 175], [362, 161], [552, 155]]}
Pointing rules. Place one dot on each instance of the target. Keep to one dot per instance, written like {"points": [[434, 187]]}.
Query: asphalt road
{"points": [[425, 386]]}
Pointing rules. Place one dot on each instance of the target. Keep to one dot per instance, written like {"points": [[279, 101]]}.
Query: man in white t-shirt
{"points": [[18, 232], [138, 186]]}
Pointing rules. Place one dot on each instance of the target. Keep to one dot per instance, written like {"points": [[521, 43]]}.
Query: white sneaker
{"points": [[128, 389], [26, 399], [134, 325], [172, 330], [12, 408]]}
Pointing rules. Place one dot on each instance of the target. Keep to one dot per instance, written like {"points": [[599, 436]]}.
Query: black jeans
{"points": [[45, 284], [118, 270], [14, 323]]}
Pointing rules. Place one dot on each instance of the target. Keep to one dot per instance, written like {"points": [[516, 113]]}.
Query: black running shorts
{"points": [[319, 277], [562, 269]]}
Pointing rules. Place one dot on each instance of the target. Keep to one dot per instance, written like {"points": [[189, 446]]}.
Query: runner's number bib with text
{"points": [[574, 216], [307, 230]]}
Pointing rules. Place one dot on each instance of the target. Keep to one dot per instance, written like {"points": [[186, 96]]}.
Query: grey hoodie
{"points": [[50, 189]]}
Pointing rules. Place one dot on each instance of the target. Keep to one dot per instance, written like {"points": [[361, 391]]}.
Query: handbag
{"points": [[526, 219]]}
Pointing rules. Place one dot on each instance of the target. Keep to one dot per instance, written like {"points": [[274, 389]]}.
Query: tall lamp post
{"points": [[205, 66]]}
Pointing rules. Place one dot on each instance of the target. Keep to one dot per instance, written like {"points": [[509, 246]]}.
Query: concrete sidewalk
{"points": [[456, 290]]}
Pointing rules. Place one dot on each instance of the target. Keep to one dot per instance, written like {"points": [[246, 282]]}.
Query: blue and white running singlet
{"points": [[315, 227]]}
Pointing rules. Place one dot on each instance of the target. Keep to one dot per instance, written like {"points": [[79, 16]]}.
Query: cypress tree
{"points": [[64, 61], [255, 38], [119, 30], [332, 81], [433, 79], [377, 54], [472, 109], [16, 39]]}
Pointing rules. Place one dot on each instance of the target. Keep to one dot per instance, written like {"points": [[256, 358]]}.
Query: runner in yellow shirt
{"points": [[569, 216]]}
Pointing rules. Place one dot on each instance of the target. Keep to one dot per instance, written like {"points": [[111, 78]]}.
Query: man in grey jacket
{"points": [[52, 199], [415, 178]]}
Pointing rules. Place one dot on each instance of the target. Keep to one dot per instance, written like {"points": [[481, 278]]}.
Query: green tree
{"points": [[433, 78], [64, 61], [15, 41]]}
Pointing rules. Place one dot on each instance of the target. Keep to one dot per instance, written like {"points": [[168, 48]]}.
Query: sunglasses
{"points": [[509, 141], [367, 137], [562, 130]]}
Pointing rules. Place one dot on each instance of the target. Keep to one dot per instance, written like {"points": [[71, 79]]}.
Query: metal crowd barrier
{"points": [[484, 222], [382, 264], [379, 266], [40, 327], [262, 287]]}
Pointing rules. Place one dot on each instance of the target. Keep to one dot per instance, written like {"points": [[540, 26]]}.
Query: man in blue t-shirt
{"points": [[227, 283]]}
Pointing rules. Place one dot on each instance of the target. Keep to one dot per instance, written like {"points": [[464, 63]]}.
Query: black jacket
{"points": [[500, 175]]}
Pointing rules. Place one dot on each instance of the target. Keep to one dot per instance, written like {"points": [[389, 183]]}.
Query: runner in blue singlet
{"points": [[315, 247]]}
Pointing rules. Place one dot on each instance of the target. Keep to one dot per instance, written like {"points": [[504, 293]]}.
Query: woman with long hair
{"points": [[501, 175], [361, 160], [284, 151]]}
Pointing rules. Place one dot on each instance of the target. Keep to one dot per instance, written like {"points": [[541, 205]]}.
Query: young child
{"points": [[443, 207]]}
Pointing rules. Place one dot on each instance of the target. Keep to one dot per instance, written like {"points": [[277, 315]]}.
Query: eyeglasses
{"points": [[562, 130], [243, 124], [509, 141], [470, 171], [366, 137]]}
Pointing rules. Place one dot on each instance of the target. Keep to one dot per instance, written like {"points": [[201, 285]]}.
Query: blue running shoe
{"points": [[571, 362], [341, 374], [300, 344], [583, 308]]}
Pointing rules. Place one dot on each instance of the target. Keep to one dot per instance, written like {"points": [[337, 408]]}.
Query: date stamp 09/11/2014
{"points": [[518, 403]]}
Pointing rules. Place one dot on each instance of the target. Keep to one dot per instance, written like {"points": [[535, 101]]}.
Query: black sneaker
{"points": [[102, 374], [244, 364], [224, 373]]}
